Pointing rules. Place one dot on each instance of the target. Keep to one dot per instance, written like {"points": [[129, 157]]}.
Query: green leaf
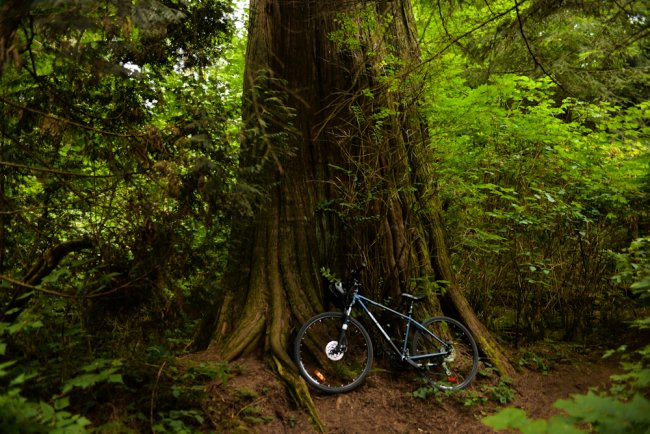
{"points": [[98, 371], [560, 425], [515, 418], [609, 414], [62, 403], [641, 285], [46, 410], [115, 378], [507, 418], [5, 365], [21, 378]]}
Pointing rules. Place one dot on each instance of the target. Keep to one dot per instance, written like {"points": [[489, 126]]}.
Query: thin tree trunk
{"points": [[457, 302], [11, 13]]}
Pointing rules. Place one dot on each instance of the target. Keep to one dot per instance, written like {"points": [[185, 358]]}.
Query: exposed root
{"points": [[297, 388]]}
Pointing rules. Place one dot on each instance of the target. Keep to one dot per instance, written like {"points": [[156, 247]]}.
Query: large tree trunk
{"points": [[346, 167]]}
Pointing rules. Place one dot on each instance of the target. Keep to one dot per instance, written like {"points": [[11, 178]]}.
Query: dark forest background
{"points": [[120, 179]]}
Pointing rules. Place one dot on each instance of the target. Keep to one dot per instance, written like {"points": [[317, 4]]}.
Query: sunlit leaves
{"points": [[604, 414], [593, 51], [526, 177]]}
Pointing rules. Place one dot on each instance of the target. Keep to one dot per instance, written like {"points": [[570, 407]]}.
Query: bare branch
{"points": [[70, 122], [530, 50]]}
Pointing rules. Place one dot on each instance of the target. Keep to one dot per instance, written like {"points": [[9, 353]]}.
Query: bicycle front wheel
{"points": [[328, 365], [456, 363]]}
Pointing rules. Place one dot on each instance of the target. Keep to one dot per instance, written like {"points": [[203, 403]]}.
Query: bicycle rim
{"points": [[326, 365], [458, 366]]}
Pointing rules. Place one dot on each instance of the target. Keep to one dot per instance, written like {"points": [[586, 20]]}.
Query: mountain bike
{"points": [[334, 352]]}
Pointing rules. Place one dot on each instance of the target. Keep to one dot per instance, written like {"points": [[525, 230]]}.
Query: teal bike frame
{"points": [[403, 352]]}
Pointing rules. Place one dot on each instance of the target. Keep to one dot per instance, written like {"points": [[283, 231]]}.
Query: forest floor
{"points": [[255, 401]]}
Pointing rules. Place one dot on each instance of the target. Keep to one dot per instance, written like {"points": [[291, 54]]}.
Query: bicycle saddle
{"points": [[412, 297]]}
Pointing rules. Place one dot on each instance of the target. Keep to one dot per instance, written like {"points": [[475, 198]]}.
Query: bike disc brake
{"points": [[332, 352]]}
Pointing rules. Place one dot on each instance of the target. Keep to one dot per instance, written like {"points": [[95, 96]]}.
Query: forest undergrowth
{"points": [[396, 401]]}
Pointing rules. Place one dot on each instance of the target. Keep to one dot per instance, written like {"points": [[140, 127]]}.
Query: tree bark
{"points": [[11, 13], [346, 168]]}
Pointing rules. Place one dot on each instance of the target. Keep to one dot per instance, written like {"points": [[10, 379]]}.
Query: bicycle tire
{"points": [[324, 369], [455, 370]]}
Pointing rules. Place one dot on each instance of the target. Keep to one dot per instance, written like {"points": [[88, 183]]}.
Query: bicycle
{"points": [[334, 352]]}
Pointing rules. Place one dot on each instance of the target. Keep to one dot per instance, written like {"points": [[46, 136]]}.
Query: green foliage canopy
{"points": [[118, 152], [541, 176]]}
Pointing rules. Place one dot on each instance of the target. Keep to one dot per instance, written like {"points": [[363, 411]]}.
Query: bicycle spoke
{"points": [[456, 364]]}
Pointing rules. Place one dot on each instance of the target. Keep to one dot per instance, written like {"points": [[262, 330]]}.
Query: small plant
{"points": [[425, 392], [246, 394], [254, 415], [534, 362], [328, 275], [502, 392], [18, 414], [98, 371], [471, 398], [178, 421]]}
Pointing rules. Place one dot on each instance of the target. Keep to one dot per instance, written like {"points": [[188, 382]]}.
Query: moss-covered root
{"points": [[299, 393]]}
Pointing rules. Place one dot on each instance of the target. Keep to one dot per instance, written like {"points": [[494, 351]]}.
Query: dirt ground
{"points": [[255, 401]]}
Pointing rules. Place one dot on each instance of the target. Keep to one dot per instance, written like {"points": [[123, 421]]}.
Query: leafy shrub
{"points": [[625, 408], [537, 193]]}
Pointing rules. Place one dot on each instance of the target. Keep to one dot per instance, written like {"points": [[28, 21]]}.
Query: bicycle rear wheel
{"points": [[457, 366], [326, 365]]}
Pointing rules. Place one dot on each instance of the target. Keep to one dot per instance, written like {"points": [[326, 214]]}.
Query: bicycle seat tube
{"points": [[405, 349]]}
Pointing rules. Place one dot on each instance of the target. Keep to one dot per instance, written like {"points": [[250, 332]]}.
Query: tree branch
{"points": [[464, 35], [530, 50], [53, 171], [43, 267], [69, 122]]}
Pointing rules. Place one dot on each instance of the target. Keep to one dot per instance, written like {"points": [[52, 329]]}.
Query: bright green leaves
{"points": [[591, 51], [20, 415], [515, 418], [603, 414], [98, 371], [608, 414], [537, 190]]}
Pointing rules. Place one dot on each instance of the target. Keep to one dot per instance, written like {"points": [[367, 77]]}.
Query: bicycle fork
{"points": [[340, 344]]}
